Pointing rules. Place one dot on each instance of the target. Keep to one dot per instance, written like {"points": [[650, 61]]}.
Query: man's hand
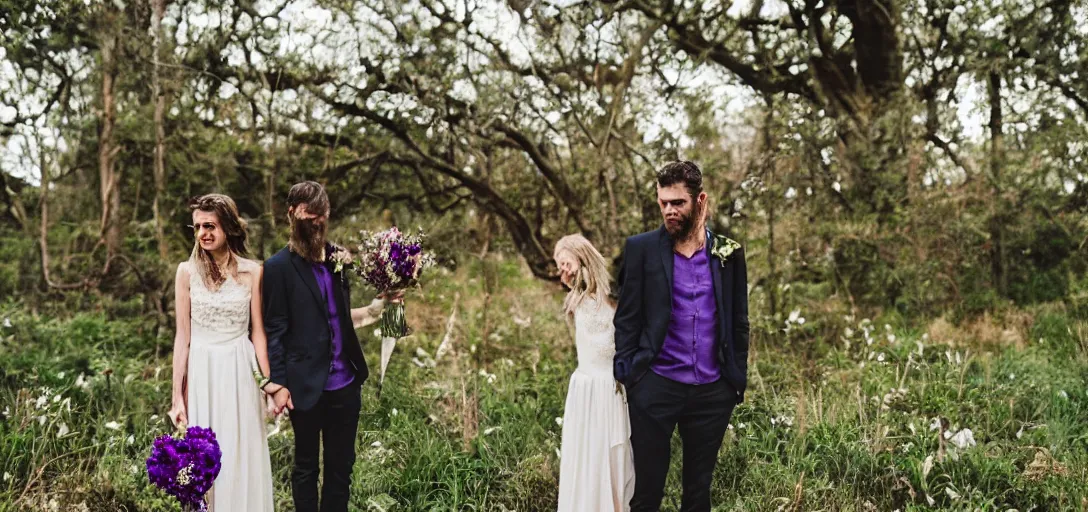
{"points": [[282, 399]]}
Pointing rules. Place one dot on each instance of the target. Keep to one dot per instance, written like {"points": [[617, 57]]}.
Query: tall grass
{"points": [[843, 413]]}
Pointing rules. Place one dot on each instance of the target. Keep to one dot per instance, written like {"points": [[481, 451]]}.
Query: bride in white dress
{"points": [[596, 468], [220, 343]]}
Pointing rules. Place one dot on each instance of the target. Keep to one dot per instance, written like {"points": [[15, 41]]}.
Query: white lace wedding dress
{"points": [[596, 468], [223, 395]]}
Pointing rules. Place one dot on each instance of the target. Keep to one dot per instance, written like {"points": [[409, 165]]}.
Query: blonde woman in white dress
{"points": [[596, 468], [220, 343]]}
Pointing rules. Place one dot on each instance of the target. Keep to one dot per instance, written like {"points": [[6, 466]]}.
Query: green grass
{"points": [[842, 413]]}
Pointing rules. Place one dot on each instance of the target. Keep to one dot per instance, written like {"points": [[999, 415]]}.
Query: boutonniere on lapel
{"points": [[722, 247], [340, 258]]}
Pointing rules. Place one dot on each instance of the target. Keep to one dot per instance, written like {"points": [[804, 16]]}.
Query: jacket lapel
{"points": [[722, 281], [667, 258], [306, 272]]}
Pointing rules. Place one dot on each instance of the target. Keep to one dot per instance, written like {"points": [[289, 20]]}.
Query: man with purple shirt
{"points": [[681, 340], [316, 363]]}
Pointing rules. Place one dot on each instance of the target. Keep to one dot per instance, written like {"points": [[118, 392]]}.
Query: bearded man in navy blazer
{"points": [[681, 340]]}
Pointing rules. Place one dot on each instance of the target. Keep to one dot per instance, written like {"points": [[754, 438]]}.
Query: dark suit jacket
{"points": [[296, 319], [645, 307]]}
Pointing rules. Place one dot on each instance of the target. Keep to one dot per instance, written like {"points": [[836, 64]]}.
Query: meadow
{"points": [[842, 413]]}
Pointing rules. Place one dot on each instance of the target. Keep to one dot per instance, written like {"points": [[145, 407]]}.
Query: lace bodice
{"points": [[221, 315], [594, 336]]}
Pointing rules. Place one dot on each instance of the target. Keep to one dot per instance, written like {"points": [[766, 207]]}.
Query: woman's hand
{"points": [[269, 407], [395, 297], [177, 415]]}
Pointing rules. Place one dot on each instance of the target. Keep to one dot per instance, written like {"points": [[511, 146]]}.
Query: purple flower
{"points": [[195, 458]]}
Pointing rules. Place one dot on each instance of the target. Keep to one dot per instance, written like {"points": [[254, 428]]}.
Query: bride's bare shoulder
{"points": [[248, 266]]}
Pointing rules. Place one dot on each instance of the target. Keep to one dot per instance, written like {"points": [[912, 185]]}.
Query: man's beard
{"points": [[308, 238], [684, 230]]}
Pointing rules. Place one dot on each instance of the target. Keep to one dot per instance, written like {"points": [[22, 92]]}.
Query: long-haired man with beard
{"points": [[681, 340], [317, 365]]}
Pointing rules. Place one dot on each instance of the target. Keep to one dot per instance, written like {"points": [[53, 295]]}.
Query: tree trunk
{"points": [[766, 148], [109, 178], [998, 213], [43, 226], [158, 9], [15, 209]]}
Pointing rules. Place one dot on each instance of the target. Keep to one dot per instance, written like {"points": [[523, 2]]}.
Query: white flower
{"points": [[185, 475], [40, 403], [880, 357], [82, 383], [962, 439], [7, 322], [1012, 376], [41, 420], [60, 375], [130, 440], [7, 476], [891, 338], [785, 421], [56, 398], [378, 333], [376, 444], [935, 424], [62, 430], [113, 425], [559, 421]]}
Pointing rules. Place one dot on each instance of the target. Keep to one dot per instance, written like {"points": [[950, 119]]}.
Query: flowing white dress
{"points": [[597, 467], [223, 395]]}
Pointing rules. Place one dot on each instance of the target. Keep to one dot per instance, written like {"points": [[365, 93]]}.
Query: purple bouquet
{"points": [[186, 466], [391, 261]]}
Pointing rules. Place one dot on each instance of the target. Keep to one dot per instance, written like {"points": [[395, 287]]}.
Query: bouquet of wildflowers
{"points": [[185, 466], [391, 261]]}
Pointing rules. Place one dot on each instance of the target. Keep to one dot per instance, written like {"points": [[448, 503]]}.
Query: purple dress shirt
{"points": [[340, 374], [689, 354]]}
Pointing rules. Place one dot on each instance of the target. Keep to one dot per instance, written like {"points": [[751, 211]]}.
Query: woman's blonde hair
{"points": [[233, 225], [592, 278]]}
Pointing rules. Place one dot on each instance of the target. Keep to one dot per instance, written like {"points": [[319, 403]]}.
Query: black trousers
{"points": [[334, 422], [658, 406]]}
